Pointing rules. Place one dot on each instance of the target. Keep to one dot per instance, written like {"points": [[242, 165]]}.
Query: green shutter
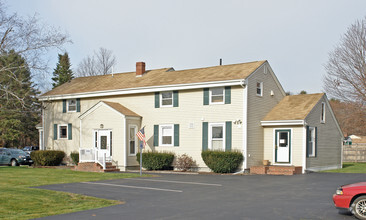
{"points": [[64, 106], [227, 95], [156, 135], [157, 99], [206, 96], [316, 141], [307, 140], [69, 131], [176, 135], [55, 132], [175, 99], [204, 136], [77, 105], [228, 136]]}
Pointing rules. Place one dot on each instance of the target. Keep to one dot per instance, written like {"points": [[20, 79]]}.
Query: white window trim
{"points": [[59, 131], [261, 87], [161, 135], [67, 105], [210, 125], [161, 99], [136, 140], [322, 116], [223, 96], [312, 131]]}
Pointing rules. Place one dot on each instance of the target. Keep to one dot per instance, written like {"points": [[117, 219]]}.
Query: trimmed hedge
{"points": [[222, 161], [156, 160], [75, 157], [47, 157]]}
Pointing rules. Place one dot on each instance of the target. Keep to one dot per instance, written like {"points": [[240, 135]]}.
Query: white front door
{"points": [[282, 146], [104, 142]]}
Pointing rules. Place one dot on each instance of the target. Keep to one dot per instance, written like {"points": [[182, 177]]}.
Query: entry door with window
{"points": [[282, 146], [104, 142]]}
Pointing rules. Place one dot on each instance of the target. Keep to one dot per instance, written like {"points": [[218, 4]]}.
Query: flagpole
{"points": [[141, 143]]}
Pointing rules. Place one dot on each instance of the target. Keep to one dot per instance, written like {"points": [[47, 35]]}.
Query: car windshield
{"points": [[19, 152], [27, 148]]}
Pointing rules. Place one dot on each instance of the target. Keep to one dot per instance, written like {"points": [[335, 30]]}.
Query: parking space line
{"points": [[135, 187], [180, 182]]}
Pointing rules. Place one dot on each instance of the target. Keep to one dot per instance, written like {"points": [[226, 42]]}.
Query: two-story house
{"points": [[239, 107]]}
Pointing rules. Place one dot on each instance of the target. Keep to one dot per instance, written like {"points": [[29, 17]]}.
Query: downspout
{"points": [[244, 84], [43, 127], [304, 139], [124, 142]]}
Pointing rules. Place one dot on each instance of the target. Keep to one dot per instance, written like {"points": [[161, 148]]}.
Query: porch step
{"points": [[276, 170], [95, 167]]}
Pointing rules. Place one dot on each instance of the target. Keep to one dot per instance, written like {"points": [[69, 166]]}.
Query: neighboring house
{"points": [[229, 107]]}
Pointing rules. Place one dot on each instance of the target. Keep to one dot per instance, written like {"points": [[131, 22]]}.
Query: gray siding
{"points": [[258, 107], [329, 139]]}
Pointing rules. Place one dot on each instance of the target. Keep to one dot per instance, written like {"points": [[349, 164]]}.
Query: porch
{"points": [[276, 170], [95, 160]]}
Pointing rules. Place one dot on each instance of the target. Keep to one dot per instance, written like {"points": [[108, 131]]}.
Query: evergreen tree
{"points": [[62, 73], [18, 116]]}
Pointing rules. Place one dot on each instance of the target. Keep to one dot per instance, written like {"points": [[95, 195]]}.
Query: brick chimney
{"points": [[140, 68]]}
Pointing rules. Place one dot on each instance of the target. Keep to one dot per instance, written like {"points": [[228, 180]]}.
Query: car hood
{"points": [[360, 184]]}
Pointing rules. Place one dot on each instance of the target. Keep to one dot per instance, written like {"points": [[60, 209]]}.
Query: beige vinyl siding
{"points": [[296, 144], [329, 139], [190, 111], [53, 115], [111, 120], [189, 115], [258, 107]]}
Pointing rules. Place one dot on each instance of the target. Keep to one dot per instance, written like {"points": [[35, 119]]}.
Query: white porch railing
{"points": [[93, 155]]}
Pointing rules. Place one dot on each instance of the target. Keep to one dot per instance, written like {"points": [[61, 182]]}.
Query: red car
{"points": [[352, 197]]}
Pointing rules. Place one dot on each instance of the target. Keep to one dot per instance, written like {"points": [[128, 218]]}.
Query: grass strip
{"points": [[18, 201], [350, 168]]}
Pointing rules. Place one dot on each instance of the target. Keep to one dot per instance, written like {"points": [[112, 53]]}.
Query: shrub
{"points": [[222, 161], [156, 160], [75, 157], [184, 162], [47, 157]]}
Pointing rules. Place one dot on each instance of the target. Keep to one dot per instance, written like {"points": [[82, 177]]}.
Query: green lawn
{"points": [[350, 168], [18, 201]]}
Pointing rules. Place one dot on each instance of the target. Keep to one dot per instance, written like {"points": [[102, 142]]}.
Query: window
{"points": [[62, 131], [71, 105], [259, 88], [166, 99], [166, 135], [132, 140], [217, 95], [312, 142], [216, 136], [322, 117]]}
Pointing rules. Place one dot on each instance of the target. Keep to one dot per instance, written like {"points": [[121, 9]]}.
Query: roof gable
{"points": [[157, 77], [120, 109]]}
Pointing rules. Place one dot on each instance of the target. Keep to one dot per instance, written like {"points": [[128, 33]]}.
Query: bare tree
{"points": [[101, 63], [31, 40], [346, 67]]}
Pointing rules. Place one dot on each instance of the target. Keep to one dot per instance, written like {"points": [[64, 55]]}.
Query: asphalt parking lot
{"points": [[169, 196]]}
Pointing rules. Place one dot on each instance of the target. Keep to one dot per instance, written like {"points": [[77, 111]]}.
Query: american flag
{"points": [[141, 135]]}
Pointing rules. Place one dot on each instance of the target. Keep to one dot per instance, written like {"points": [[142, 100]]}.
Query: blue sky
{"points": [[294, 36]]}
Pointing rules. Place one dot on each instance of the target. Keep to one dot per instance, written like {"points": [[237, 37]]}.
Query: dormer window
{"points": [[71, 105], [259, 88]]}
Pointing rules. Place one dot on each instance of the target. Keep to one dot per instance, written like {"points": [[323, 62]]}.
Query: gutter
{"points": [[143, 90]]}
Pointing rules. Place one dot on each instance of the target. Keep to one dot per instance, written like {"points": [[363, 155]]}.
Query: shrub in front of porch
{"points": [[156, 160], [47, 157], [75, 157], [222, 161]]}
